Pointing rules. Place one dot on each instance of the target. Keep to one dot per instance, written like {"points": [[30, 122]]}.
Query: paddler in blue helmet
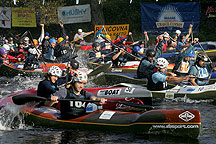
{"points": [[49, 56], [201, 70], [183, 61], [75, 91]]}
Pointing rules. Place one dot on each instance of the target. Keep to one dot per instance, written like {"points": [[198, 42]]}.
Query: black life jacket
{"points": [[73, 109], [155, 87]]}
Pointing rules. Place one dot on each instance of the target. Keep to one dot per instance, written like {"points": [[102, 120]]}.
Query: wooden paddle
{"points": [[83, 37], [26, 98]]}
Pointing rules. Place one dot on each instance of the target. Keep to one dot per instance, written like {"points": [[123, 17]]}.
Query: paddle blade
{"points": [[99, 69], [25, 98]]}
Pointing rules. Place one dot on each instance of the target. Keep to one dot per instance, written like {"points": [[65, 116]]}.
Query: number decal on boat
{"points": [[129, 90], [77, 104], [107, 115]]}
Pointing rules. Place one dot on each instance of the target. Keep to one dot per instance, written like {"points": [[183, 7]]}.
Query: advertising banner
{"points": [[209, 10], [170, 16], [23, 17], [5, 17], [48, 16], [75, 14], [114, 30]]}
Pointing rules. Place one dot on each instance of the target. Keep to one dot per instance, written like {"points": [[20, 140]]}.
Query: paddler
{"points": [[158, 81], [201, 70], [79, 37], [96, 55], [146, 66], [75, 91], [183, 61], [50, 85]]}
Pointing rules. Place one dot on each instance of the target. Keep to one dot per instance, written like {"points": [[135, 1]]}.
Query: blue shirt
{"points": [[159, 77]]}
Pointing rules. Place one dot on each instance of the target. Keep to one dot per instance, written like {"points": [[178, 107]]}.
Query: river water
{"points": [[28, 134]]}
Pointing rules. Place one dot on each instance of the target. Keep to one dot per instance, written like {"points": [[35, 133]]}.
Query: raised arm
{"points": [[42, 33]]}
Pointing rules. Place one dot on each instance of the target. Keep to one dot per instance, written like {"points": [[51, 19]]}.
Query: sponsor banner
{"points": [[209, 9], [75, 14], [169, 16], [114, 30], [49, 16], [5, 17], [23, 17]]}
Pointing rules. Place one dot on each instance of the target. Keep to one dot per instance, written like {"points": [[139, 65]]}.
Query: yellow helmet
{"points": [[35, 42], [107, 36], [60, 39]]}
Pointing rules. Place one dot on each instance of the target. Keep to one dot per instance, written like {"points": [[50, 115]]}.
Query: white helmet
{"points": [[80, 30], [80, 76], [32, 51], [26, 39], [161, 63], [55, 71], [178, 31], [7, 47]]}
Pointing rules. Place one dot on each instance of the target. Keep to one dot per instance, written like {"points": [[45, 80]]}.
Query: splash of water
{"points": [[10, 117]]}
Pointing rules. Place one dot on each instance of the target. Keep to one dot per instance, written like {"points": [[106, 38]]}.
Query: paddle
{"points": [[204, 51], [100, 69], [26, 98]]}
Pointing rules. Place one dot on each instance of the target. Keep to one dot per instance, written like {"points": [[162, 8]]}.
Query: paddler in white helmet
{"points": [[75, 91], [49, 85]]}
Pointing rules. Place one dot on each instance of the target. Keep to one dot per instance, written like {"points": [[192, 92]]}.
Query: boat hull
{"points": [[14, 69], [185, 123], [151, 122]]}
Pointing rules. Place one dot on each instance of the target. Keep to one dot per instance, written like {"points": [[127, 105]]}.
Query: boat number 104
{"points": [[77, 104]]}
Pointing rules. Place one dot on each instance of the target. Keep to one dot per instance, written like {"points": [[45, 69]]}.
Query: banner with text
{"points": [[114, 30], [23, 17], [5, 17], [48, 16], [208, 10], [170, 16], [75, 14]]}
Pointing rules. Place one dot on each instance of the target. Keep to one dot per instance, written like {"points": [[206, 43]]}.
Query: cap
{"points": [[80, 30], [178, 31]]}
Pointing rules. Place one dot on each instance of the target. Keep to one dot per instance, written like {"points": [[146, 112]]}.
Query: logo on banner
{"points": [[3, 17], [169, 17]]}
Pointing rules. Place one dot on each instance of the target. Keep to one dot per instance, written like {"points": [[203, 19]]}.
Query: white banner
{"points": [[75, 14], [5, 17]]}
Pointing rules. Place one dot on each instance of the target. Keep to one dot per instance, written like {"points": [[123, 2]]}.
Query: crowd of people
{"points": [[152, 65]]}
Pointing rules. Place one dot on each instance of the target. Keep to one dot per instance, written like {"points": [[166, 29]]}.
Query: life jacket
{"points": [[147, 73], [183, 68], [203, 76], [60, 50], [72, 109], [156, 86]]}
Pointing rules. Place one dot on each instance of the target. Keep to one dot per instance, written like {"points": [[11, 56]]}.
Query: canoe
{"points": [[13, 69], [115, 78], [174, 122], [184, 91]]}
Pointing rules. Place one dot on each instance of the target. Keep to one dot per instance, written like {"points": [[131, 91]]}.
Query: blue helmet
{"points": [[191, 54], [52, 40]]}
